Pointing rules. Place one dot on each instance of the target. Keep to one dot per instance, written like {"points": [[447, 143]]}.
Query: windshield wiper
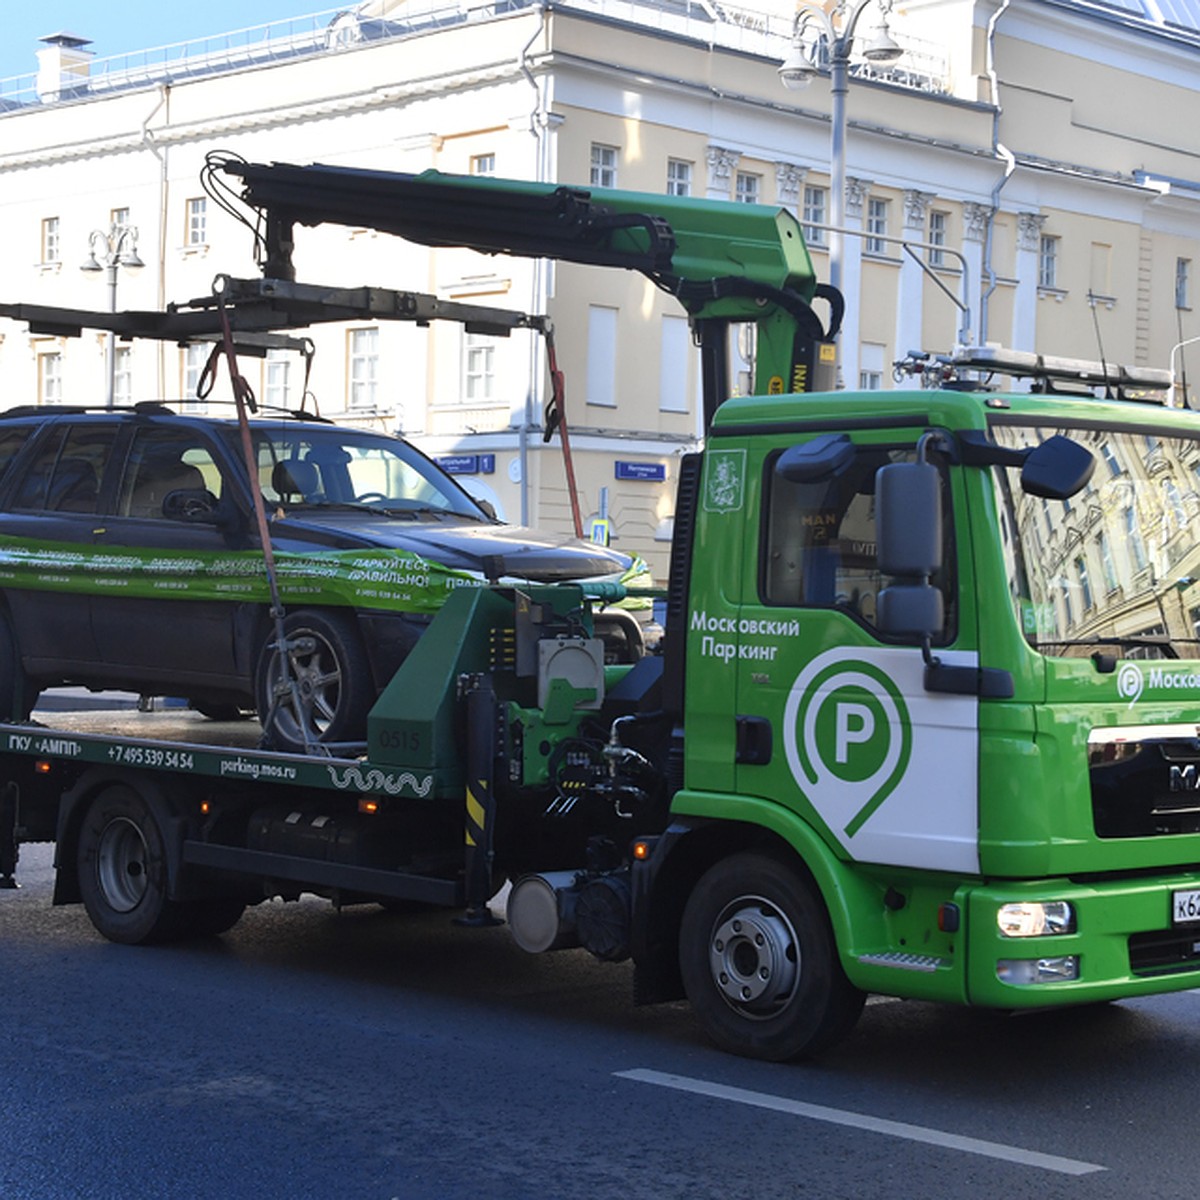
{"points": [[1125, 643]]}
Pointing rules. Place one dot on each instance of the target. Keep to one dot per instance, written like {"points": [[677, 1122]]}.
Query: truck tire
{"points": [[332, 684], [759, 965], [123, 871]]}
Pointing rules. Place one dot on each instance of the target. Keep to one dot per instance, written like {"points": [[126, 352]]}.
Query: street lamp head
{"points": [[797, 70], [130, 258], [90, 263], [882, 48]]}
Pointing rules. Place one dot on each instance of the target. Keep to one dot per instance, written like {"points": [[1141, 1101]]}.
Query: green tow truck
{"points": [[925, 721]]}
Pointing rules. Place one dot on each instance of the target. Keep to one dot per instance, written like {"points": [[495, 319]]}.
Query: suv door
{"points": [[50, 528], [167, 629]]}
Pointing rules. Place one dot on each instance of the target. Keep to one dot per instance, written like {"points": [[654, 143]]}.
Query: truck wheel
{"points": [[759, 964], [123, 870], [331, 683]]}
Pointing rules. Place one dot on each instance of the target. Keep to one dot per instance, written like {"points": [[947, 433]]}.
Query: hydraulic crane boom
{"points": [[725, 263]]}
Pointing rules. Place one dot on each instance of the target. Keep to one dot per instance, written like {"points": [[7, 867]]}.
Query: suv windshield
{"points": [[1116, 567], [313, 466]]}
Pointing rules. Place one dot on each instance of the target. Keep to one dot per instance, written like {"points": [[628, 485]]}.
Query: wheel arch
{"points": [[698, 839], [167, 812]]}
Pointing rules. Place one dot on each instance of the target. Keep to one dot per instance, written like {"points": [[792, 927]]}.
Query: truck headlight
{"points": [[1021, 971], [1035, 918]]}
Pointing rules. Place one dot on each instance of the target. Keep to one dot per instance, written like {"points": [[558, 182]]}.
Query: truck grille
{"points": [[1164, 952], [1146, 786]]}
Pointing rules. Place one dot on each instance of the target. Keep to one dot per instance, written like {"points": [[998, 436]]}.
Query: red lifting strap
{"points": [[556, 418]]}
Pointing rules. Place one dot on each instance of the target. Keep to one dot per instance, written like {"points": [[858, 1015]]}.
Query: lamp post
{"points": [[836, 29], [117, 248]]}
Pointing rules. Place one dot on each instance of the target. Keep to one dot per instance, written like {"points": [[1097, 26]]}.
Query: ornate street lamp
{"points": [[117, 248], [834, 38]]}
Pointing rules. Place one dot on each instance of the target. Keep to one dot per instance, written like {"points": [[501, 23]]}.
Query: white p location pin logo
{"points": [[847, 736]]}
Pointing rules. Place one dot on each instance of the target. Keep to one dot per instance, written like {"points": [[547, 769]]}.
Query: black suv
{"points": [[130, 558]]}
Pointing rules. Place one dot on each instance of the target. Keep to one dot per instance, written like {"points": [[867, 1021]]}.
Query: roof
{"points": [[1163, 16]]}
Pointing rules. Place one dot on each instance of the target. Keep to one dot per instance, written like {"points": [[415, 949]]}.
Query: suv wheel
{"points": [[328, 689]]}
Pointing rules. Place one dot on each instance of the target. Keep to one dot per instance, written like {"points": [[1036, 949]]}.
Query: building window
{"points": [[937, 238], [602, 356], [1106, 562], [877, 223], [746, 190], [1085, 586], [679, 177], [1133, 538], [364, 367], [276, 384], [50, 386], [51, 243], [1183, 283], [1175, 503], [1048, 262], [816, 214], [1110, 459], [195, 357], [673, 365], [870, 367], [197, 222], [604, 166], [122, 375], [483, 164], [119, 219], [479, 368]]}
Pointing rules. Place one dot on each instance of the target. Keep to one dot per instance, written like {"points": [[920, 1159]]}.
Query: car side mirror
{"points": [[196, 506]]}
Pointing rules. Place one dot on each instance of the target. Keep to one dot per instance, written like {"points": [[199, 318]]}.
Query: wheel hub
{"points": [[754, 956], [121, 865]]}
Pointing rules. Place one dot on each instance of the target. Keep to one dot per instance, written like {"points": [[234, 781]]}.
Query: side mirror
{"points": [[1057, 468], [908, 524], [196, 506], [1054, 469], [822, 458]]}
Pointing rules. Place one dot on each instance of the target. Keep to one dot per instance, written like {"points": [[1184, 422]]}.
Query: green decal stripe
{"points": [[368, 578]]}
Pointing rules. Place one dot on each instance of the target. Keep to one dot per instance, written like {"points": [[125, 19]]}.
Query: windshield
{"points": [[1117, 567], [306, 466]]}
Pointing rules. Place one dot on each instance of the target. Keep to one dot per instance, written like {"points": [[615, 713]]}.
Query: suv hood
{"points": [[494, 551]]}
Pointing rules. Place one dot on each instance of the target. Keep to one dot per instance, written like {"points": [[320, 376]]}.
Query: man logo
{"points": [[848, 737]]}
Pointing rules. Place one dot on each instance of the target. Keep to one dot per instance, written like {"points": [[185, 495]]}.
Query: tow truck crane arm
{"points": [[724, 262]]}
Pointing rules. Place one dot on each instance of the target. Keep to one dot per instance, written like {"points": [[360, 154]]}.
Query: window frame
{"points": [[893, 451]]}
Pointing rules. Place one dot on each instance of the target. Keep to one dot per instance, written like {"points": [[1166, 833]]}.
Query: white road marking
{"points": [[837, 1116]]}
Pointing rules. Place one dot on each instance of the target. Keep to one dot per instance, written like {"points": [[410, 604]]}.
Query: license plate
{"points": [[1185, 908]]}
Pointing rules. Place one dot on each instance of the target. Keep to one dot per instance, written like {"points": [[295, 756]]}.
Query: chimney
{"points": [[63, 67]]}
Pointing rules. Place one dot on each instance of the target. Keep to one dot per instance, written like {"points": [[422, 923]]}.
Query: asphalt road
{"points": [[309, 1053]]}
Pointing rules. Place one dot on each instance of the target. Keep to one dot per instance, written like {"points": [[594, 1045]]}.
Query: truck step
{"points": [[904, 962]]}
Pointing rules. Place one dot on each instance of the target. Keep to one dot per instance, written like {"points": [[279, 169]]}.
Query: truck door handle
{"points": [[753, 741]]}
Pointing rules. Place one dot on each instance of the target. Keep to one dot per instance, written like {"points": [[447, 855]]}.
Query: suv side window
{"points": [[819, 541], [162, 461], [65, 475], [12, 438]]}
